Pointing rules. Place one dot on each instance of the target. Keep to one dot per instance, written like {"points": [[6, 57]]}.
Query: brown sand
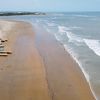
{"points": [[22, 74], [65, 80], [39, 68]]}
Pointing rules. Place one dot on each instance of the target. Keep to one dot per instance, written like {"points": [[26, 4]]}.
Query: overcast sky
{"points": [[50, 5]]}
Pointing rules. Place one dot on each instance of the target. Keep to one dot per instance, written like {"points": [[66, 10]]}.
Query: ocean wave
{"points": [[71, 36], [57, 38], [51, 24], [74, 56], [94, 45], [63, 29], [75, 27], [74, 38], [82, 15]]}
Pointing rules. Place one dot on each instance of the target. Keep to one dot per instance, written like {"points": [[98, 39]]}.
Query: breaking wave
{"points": [[73, 38], [94, 45], [64, 29]]}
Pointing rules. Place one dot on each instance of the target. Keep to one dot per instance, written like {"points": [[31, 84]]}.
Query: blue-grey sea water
{"points": [[79, 33]]}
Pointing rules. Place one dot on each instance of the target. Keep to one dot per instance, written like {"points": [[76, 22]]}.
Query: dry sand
{"points": [[22, 74], [39, 68]]}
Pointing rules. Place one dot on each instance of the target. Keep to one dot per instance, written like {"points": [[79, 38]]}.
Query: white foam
{"points": [[75, 27], [57, 38], [79, 15], [73, 55], [94, 45], [73, 38], [63, 29], [51, 24]]}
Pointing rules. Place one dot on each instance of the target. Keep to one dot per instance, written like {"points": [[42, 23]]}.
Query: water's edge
{"points": [[80, 66]]}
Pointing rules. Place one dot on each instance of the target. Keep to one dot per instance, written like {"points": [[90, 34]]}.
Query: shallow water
{"points": [[80, 35]]}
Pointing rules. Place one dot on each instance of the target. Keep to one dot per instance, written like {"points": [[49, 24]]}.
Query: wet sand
{"points": [[39, 68]]}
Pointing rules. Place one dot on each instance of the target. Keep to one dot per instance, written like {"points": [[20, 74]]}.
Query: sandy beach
{"points": [[39, 68]]}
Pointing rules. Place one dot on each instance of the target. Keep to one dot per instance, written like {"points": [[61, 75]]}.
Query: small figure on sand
{"points": [[3, 39]]}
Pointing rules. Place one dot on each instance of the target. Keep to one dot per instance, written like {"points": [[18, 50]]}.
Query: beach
{"points": [[39, 68]]}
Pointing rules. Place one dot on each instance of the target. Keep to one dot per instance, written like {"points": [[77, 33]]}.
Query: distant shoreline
{"points": [[21, 13]]}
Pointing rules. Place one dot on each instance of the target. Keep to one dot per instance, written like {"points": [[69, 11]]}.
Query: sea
{"points": [[79, 34]]}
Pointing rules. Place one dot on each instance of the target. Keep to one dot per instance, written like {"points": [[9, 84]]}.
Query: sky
{"points": [[50, 5]]}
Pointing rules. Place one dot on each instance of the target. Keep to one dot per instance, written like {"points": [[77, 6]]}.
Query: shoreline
{"points": [[39, 68], [80, 66], [83, 71], [51, 41]]}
